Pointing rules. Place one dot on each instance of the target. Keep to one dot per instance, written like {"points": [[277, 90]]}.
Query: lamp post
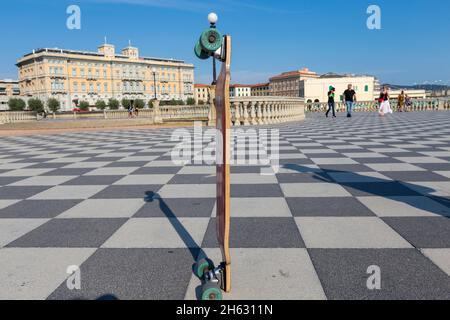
{"points": [[154, 81]]}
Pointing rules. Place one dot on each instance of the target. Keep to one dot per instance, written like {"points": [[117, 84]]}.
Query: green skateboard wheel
{"points": [[203, 266], [200, 53], [211, 40], [211, 291]]}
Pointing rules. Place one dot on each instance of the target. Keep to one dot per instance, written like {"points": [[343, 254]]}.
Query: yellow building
{"points": [[260, 89], [202, 93], [73, 76], [8, 89], [287, 84]]}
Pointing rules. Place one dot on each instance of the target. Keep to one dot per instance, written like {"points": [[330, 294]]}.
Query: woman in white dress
{"points": [[385, 106]]}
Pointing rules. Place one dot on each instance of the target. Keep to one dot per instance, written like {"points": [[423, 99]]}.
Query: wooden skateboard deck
{"points": [[223, 125]]}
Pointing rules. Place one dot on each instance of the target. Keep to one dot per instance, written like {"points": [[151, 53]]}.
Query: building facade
{"points": [[202, 93], [316, 90], [260, 90], [287, 84], [74, 76], [240, 90], [8, 89]]}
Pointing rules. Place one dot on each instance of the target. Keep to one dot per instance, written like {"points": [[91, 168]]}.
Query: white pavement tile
{"points": [[188, 191], [25, 172], [43, 181], [443, 173], [7, 203], [145, 179], [104, 208], [112, 171], [14, 166], [440, 257], [324, 161], [267, 274], [68, 160], [394, 167], [198, 170], [434, 188], [87, 165], [362, 155], [12, 229], [68, 192], [404, 206], [314, 190], [159, 233], [349, 177], [420, 160], [253, 178], [163, 163], [33, 274], [349, 232]]}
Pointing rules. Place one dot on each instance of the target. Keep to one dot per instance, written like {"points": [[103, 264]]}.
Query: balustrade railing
{"points": [[370, 106], [266, 110], [17, 116]]}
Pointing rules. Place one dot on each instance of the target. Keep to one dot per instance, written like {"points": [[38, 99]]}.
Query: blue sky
{"points": [[268, 36]]}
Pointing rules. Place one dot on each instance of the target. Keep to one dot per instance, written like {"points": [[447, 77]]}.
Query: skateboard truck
{"points": [[213, 279]]}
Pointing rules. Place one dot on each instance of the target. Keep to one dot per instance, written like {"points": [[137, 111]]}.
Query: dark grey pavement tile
{"points": [[193, 179], [422, 232], [92, 180], [4, 181], [132, 274], [256, 190], [306, 177], [328, 207], [37, 209], [22, 192], [386, 189], [68, 172], [171, 208], [156, 170], [127, 192], [415, 176], [257, 233], [69, 233], [405, 274]]}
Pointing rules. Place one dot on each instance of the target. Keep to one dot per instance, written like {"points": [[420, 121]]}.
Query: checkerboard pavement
{"points": [[349, 194]]}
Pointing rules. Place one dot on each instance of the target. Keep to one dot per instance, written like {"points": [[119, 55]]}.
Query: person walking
{"points": [[349, 99], [401, 101], [331, 102], [385, 106]]}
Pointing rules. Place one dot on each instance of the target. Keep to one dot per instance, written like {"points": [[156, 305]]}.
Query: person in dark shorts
{"points": [[331, 103], [349, 99]]}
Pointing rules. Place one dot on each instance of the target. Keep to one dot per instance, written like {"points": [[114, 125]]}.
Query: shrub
{"points": [[139, 104], [190, 101], [16, 104], [84, 105], [53, 104], [36, 105], [100, 104], [126, 103], [113, 104]]}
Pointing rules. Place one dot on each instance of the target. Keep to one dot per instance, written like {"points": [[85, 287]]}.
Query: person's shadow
{"points": [[196, 251]]}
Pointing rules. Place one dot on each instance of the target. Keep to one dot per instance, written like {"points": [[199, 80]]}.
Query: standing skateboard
{"points": [[218, 279]]}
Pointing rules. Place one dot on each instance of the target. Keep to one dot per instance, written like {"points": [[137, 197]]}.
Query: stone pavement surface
{"points": [[349, 194]]}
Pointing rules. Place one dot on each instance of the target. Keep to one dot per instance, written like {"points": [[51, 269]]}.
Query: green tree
{"points": [[16, 104], [84, 105], [190, 101], [53, 104], [139, 103], [36, 105], [100, 104], [201, 102], [113, 104], [126, 103]]}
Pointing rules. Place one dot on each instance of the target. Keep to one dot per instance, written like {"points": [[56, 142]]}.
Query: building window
{"points": [[366, 88]]}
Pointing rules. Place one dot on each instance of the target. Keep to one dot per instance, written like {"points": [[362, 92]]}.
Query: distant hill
{"points": [[427, 87]]}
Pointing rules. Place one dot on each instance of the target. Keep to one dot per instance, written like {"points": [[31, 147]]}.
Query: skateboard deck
{"points": [[223, 125]]}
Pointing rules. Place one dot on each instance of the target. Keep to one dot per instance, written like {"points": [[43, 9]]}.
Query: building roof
{"points": [[237, 85], [295, 73], [9, 81], [200, 85], [260, 85], [94, 55]]}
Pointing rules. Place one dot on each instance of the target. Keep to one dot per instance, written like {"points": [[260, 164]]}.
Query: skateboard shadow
{"points": [[362, 185], [196, 251]]}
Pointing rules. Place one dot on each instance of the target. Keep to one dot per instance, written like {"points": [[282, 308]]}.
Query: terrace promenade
{"points": [[349, 195]]}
